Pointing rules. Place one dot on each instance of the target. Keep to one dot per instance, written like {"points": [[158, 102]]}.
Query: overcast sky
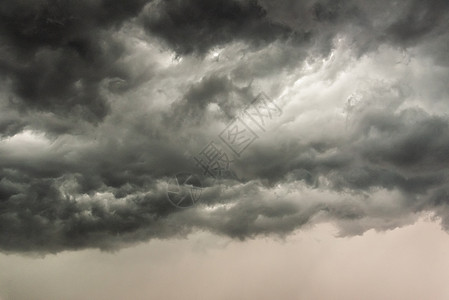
{"points": [[104, 103]]}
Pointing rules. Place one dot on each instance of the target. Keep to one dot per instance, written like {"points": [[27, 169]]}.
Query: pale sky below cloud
{"points": [[402, 264]]}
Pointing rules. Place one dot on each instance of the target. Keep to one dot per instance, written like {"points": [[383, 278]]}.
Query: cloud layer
{"points": [[102, 103]]}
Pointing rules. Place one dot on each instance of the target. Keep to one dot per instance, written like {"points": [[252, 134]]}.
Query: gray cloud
{"points": [[196, 26], [362, 141], [55, 55]]}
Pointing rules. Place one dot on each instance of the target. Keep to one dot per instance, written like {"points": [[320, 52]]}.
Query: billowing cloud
{"points": [[103, 103], [197, 26], [55, 55]]}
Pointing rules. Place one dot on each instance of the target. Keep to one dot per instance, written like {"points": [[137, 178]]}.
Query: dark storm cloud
{"points": [[109, 197], [407, 150], [56, 53], [195, 26], [39, 218], [70, 184], [367, 24], [420, 18]]}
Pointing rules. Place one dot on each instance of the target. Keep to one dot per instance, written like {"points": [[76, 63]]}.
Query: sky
{"points": [[224, 140]]}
